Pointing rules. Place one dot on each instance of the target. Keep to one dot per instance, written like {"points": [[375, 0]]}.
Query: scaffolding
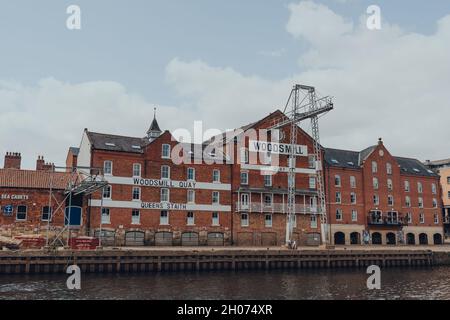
{"points": [[309, 107], [82, 181]]}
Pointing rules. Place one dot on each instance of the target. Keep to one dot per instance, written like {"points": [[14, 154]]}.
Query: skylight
{"points": [[416, 170], [334, 161], [136, 147], [110, 144], [350, 163]]}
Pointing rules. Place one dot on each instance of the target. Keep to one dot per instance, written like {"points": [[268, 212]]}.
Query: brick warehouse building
{"points": [[373, 197]]}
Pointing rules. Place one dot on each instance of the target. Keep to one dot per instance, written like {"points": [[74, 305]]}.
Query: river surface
{"points": [[427, 283]]}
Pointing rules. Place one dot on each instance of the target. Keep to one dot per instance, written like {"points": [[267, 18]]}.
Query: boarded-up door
{"points": [[163, 238], [189, 239], [268, 239], [134, 238], [244, 239], [107, 237], [215, 239], [313, 239]]}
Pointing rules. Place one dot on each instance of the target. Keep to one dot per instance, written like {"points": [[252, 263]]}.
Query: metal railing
{"points": [[385, 220], [257, 207]]}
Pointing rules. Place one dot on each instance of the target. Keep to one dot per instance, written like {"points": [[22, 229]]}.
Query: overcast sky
{"points": [[226, 63]]}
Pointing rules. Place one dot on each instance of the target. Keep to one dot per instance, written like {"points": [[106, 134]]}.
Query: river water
{"points": [[426, 283]]}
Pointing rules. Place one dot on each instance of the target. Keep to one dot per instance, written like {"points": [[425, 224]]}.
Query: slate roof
{"points": [[13, 178], [110, 142], [353, 160], [154, 126], [75, 151]]}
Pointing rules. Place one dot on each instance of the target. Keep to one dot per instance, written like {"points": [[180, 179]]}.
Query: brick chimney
{"points": [[41, 165], [12, 160]]}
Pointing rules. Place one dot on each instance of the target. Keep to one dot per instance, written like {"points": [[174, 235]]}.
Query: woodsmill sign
{"points": [[277, 148]]}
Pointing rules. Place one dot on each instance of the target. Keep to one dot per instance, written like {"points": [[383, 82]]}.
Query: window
{"points": [[106, 217], [268, 200], [294, 220], [215, 197], [354, 215], [244, 220], [390, 185], [436, 218], [190, 221], [392, 217], [337, 180], [135, 216], [244, 177], [267, 180], [420, 202], [448, 180], [448, 194], [215, 218], [312, 182], [244, 201], [107, 192], [21, 213], [313, 223], [352, 182], [408, 217], [338, 197], [338, 214], [408, 201], [164, 218], [422, 218], [136, 170], [107, 167], [165, 195], [46, 213], [311, 162], [388, 168], [191, 174], [244, 156], [268, 221], [165, 172], [390, 200], [407, 186], [375, 183], [374, 167], [216, 175], [191, 196], [376, 200], [376, 217], [435, 204], [136, 193], [166, 151], [433, 188], [353, 198], [419, 187]]}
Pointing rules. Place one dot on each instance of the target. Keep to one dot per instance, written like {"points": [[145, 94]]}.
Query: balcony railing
{"points": [[257, 207], [447, 219], [393, 221]]}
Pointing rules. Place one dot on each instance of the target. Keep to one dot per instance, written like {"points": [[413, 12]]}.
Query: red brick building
{"points": [[374, 197]]}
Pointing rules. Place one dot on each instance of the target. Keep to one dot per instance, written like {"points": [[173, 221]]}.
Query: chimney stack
{"points": [[41, 165], [12, 160]]}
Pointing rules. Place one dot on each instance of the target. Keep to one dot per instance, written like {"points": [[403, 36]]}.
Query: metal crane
{"points": [[310, 107]]}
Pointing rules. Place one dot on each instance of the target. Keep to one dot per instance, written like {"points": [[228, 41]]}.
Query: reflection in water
{"points": [[322, 284]]}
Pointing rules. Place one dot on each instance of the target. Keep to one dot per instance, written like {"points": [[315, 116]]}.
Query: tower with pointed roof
{"points": [[154, 131]]}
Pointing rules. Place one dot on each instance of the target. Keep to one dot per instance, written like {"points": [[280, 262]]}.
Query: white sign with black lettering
{"points": [[277, 148]]}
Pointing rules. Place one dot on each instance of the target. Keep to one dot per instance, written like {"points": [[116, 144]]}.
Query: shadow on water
{"points": [[396, 283]]}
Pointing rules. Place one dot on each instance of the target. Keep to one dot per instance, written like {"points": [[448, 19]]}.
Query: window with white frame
{"points": [[390, 185], [165, 151], [376, 200], [191, 196], [408, 217], [311, 162], [390, 200], [46, 213], [268, 221], [338, 214], [215, 219], [448, 194], [244, 200], [374, 167], [448, 180], [244, 220], [313, 221], [135, 216], [420, 200], [422, 218], [216, 175], [107, 192], [165, 195], [268, 200], [107, 167], [294, 220], [353, 198], [215, 197], [21, 214], [388, 168], [312, 182], [244, 177], [190, 219], [433, 188], [136, 193], [244, 156], [165, 172], [268, 180], [337, 180], [353, 182], [106, 216], [164, 218], [408, 201], [354, 215], [338, 197], [136, 170], [436, 218], [191, 174], [435, 203], [419, 187], [375, 183], [407, 188]]}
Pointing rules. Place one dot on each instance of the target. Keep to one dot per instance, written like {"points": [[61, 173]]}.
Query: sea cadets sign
{"points": [[14, 197], [164, 183], [277, 148]]}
